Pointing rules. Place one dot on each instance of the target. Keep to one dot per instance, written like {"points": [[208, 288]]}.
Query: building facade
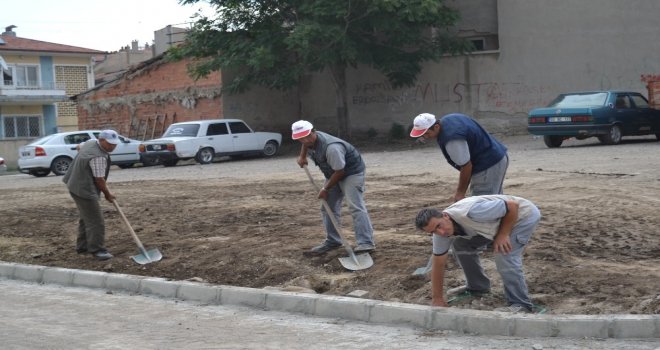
{"points": [[38, 79]]}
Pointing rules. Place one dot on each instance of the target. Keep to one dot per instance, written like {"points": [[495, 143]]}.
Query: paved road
{"points": [[526, 155], [53, 317]]}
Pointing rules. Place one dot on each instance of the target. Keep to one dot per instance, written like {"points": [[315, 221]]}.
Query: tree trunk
{"points": [[343, 119]]}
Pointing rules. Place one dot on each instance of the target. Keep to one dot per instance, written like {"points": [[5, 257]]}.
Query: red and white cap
{"points": [[422, 123], [301, 129]]}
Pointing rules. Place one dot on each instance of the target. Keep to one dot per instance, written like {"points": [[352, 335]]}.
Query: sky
{"points": [[95, 24]]}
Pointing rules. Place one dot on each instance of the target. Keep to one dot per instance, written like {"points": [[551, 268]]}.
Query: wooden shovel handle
{"points": [[135, 237], [333, 219]]}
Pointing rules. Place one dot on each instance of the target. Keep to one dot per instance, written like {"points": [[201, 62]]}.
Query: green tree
{"points": [[273, 43]]}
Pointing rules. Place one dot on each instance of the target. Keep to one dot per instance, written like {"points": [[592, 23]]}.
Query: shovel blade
{"points": [[148, 256], [420, 271], [426, 269], [361, 262]]}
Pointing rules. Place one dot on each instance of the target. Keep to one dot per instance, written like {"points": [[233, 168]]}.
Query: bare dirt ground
{"points": [[248, 222]]}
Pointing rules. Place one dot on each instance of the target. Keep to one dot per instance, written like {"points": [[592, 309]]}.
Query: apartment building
{"points": [[38, 78]]}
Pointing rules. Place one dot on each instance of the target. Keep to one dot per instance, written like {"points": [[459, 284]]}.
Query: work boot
{"points": [[324, 248]]}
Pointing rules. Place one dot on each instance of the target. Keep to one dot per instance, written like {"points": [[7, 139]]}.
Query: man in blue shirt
{"points": [[468, 226], [480, 158]]}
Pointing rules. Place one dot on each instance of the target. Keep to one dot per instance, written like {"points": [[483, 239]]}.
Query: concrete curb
{"points": [[366, 310]]}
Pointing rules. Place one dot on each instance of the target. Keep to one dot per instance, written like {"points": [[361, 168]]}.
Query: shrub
{"points": [[397, 131]]}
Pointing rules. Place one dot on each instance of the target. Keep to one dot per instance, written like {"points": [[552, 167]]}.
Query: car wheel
{"points": [[60, 165], [270, 148], [170, 162], [613, 137], [553, 141], [39, 173], [205, 155], [125, 166], [148, 161]]}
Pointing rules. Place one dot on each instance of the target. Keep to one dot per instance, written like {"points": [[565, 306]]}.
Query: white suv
{"points": [[204, 140]]}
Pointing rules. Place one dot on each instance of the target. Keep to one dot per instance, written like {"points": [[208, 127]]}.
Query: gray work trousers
{"points": [[491, 180], [91, 226]]}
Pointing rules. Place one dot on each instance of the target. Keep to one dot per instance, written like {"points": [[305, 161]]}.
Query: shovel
{"points": [[351, 262], [145, 256], [420, 271]]}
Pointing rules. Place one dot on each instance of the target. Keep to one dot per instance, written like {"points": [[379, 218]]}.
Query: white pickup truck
{"points": [[204, 140]]}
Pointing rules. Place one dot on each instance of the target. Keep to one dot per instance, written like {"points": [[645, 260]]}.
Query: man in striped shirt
{"points": [[86, 179]]}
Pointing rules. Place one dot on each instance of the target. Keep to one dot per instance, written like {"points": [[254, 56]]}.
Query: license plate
{"points": [[559, 119]]}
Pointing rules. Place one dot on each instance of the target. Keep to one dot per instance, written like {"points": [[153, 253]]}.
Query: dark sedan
{"points": [[607, 115]]}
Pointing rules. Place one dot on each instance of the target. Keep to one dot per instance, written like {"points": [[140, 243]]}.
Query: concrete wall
{"points": [[122, 60], [9, 151], [545, 47], [568, 45], [167, 37], [263, 109]]}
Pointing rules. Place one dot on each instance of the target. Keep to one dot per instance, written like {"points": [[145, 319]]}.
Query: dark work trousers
{"points": [[91, 227]]}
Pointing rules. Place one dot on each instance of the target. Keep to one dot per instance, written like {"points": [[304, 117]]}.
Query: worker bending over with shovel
{"points": [[344, 170], [469, 225]]}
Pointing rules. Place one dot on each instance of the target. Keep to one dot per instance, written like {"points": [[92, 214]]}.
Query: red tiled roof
{"points": [[13, 43]]}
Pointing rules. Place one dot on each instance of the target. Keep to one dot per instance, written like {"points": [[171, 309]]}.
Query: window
{"points": [[479, 44], [7, 77], [75, 139], [585, 100], [21, 76], [239, 128], [640, 102], [217, 129], [622, 101], [182, 130], [22, 126]]}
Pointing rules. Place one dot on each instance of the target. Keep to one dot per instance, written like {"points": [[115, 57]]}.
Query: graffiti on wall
{"points": [[377, 94], [510, 98]]}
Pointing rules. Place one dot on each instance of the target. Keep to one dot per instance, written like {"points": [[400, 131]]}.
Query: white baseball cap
{"points": [[422, 123], [110, 136], [301, 129]]}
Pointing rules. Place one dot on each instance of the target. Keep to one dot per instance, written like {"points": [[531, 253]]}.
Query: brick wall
{"points": [[75, 79], [150, 97], [654, 93]]}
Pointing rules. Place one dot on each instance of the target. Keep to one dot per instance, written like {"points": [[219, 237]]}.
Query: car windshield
{"points": [[596, 99], [42, 140], [182, 130]]}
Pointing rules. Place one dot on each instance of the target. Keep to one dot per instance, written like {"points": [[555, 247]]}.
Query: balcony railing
{"points": [[32, 92], [33, 85]]}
